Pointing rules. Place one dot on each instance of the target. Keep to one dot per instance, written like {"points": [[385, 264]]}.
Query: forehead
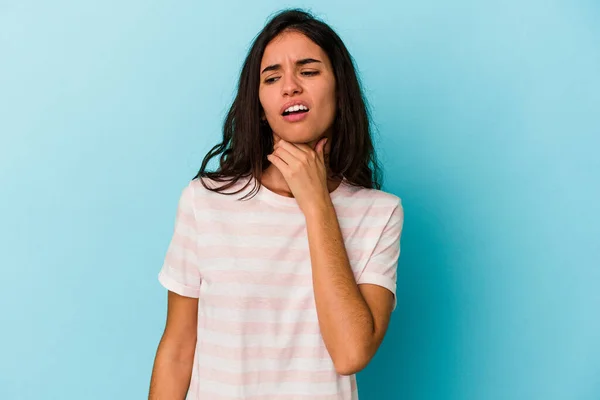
{"points": [[291, 46]]}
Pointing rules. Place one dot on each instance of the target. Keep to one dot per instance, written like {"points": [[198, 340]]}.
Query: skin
{"points": [[353, 318], [312, 82], [172, 369]]}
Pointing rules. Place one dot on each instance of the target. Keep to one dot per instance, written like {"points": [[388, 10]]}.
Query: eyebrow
{"points": [[301, 62]]}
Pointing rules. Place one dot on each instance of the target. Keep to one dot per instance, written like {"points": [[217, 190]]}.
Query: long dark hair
{"points": [[247, 142]]}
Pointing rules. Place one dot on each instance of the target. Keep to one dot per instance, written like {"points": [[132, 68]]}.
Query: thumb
{"points": [[321, 146]]}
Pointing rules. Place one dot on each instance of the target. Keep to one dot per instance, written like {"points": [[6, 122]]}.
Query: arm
{"points": [[353, 318], [175, 355]]}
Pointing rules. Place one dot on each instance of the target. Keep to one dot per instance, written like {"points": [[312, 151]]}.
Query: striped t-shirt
{"points": [[248, 262]]}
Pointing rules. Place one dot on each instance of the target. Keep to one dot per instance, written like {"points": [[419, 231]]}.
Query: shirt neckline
{"points": [[272, 197]]}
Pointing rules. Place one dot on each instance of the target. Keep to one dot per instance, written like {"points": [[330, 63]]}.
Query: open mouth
{"points": [[295, 110]]}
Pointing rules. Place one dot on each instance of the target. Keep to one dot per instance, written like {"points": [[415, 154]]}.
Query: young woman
{"points": [[286, 291]]}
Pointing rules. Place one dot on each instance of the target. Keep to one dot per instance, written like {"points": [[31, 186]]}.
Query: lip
{"points": [[293, 103], [295, 117]]}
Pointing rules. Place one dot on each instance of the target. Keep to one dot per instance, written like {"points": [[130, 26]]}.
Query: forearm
{"points": [[172, 371], [345, 319]]}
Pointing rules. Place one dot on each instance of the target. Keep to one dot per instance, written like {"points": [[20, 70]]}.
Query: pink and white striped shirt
{"points": [[248, 262]]}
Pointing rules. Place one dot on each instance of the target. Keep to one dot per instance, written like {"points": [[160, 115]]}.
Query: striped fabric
{"points": [[248, 262]]}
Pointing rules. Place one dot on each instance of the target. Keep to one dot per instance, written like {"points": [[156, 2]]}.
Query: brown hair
{"points": [[247, 142]]}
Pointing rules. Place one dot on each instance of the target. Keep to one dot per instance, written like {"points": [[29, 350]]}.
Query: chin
{"points": [[299, 134]]}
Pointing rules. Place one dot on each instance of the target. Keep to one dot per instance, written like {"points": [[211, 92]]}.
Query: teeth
{"points": [[297, 107]]}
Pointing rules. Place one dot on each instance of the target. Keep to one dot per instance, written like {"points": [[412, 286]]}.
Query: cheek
{"points": [[263, 97], [328, 97], [261, 100]]}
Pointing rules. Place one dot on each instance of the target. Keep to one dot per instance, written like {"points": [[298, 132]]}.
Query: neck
{"points": [[273, 179]]}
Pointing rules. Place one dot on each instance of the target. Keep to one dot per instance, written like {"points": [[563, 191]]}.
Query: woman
{"points": [[287, 291]]}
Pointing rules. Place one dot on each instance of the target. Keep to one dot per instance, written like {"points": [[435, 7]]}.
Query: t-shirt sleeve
{"points": [[381, 268], [180, 272]]}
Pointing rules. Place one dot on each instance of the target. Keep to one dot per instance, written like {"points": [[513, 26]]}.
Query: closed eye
{"points": [[303, 73]]}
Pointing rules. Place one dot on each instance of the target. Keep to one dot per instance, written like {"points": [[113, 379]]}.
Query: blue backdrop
{"points": [[488, 128]]}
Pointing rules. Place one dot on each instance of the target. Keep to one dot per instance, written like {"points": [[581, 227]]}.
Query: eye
{"points": [[310, 73], [271, 80]]}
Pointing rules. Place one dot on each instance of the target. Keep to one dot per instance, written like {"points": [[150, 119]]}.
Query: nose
{"points": [[291, 85]]}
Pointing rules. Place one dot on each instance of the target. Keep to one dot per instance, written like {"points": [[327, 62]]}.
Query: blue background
{"points": [[488, 127]]}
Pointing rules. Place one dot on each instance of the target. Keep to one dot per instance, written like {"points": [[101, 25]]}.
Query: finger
{"points": [[291, 148], [285, 155], [320, 148], [278, 163]]}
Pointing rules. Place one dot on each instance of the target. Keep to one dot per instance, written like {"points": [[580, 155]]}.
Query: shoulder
{"points": [[201, 187], [373, 197], [203, 194], [376, 207]]}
